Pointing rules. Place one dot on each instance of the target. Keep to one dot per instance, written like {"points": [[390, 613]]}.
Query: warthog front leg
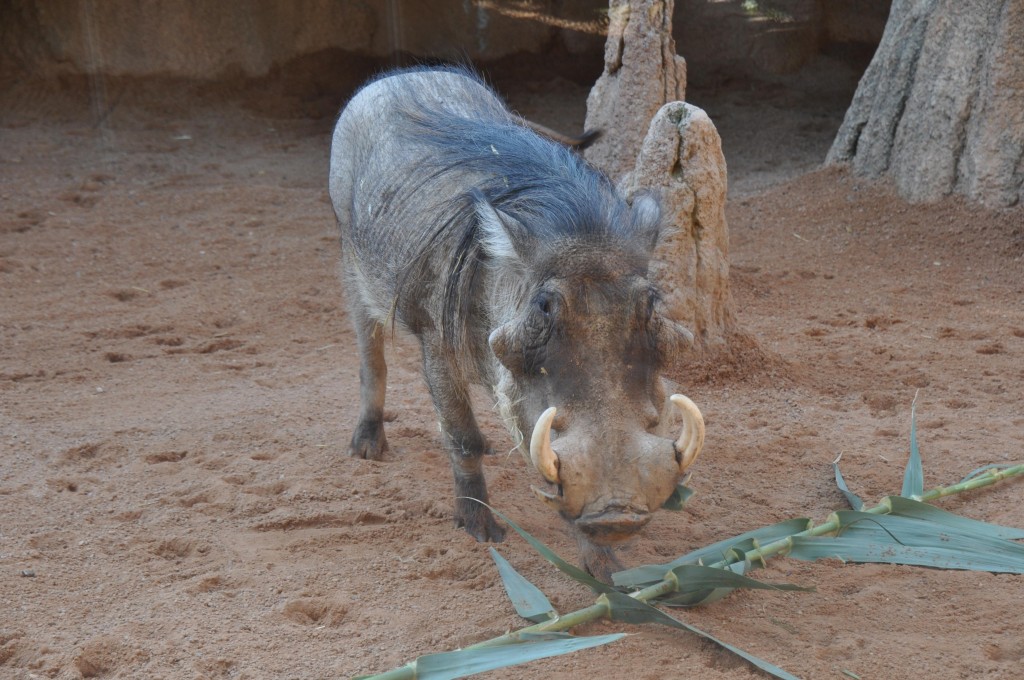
{"points": [[599, 560], [466, 445]]}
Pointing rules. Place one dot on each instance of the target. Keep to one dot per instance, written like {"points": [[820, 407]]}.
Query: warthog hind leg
{"points": [[368, 440]]}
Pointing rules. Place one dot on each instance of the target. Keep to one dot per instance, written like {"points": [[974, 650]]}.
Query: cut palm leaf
{"points": [[699, 585], [905, 507], [913, 477], [698, 582], [680, 495], [529, 601], [727, 550], [630, 610], [853, 499], [547, 553], [985, 468], [895, 539], [464, 662]]}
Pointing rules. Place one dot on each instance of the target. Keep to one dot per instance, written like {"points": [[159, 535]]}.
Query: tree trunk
{"points": [[641, 73], [940, 109]]}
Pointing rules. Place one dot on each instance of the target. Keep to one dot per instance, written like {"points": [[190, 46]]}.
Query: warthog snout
{"points": [[613, 524], [687, 445], [608, 485]]}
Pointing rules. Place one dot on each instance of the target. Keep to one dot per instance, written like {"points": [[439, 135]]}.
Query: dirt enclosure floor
{"points": [[178, 385]]}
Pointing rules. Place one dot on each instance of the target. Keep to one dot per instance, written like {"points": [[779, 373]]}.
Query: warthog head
{"points": [[581, 346]]}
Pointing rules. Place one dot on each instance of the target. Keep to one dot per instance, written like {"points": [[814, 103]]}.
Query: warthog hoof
{"points": [[368, 441], [478, 521]]}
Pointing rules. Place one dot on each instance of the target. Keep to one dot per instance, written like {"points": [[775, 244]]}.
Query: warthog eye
{"points": [[653, 298], [543, 302], [527, 354]]}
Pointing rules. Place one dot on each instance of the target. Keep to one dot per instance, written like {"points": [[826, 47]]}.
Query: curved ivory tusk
{"points": [[543, 456], [691, 438], [548, 499]]}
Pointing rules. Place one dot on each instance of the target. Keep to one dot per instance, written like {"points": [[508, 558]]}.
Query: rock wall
{"points": [[206, 40], [756, 39], [203, 39]]}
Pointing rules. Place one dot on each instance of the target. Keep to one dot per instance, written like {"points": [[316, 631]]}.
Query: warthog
{"points": [[518, 267]]}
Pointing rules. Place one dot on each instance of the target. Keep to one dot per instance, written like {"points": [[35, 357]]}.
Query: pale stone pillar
{"points": [[681, 160], [641, 73]]}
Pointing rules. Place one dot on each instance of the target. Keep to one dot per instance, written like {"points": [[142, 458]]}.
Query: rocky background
{"points": [[203, 40]]}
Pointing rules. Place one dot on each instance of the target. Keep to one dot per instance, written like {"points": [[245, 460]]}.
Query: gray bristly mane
{"points": [[546, 187]]}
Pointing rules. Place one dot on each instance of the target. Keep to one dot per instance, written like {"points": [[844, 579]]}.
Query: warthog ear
{"points": [[646, 218], [503, 236]]}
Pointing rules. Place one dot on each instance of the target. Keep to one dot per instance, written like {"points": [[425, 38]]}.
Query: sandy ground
{"points": [[178, 385]]}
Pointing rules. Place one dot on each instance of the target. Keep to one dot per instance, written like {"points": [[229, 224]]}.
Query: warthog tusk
{"points": [[543, 456], [691, 438], [548, 499]]}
